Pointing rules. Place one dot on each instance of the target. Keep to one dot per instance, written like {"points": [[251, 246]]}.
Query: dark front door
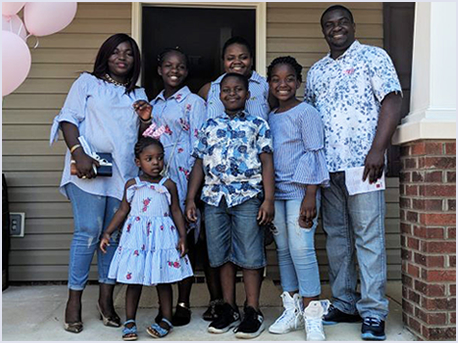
{"points": [[199, 32], [398, 22]]}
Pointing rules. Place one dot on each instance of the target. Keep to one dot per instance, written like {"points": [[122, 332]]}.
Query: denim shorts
{"points": [[233, 234]]}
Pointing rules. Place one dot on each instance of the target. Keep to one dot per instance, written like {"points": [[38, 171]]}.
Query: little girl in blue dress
{"points": [[152, 249]]}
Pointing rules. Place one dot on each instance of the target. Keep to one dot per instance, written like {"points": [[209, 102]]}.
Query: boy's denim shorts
{"points": [[233, 234]]}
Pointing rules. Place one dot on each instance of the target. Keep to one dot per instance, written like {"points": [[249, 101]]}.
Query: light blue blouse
{"points": [[298, 144], [105, 117], [182, 115], [257, 105]]}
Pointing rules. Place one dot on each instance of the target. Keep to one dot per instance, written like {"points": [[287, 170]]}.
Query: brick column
{"points": [[428, 238]]}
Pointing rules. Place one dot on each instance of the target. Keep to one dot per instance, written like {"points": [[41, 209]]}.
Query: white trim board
{"points": [[428, 124]]}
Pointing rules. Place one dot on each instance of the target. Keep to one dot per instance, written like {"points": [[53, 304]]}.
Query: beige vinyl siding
{"points": [[293, 28], [33, 168]]}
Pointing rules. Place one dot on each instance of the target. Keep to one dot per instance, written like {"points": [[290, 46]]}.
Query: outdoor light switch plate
{"points": [[17, 224]]}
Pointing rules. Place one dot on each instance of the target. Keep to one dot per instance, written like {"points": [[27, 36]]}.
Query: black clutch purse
{"points": [[105, 167], [106, 164]]}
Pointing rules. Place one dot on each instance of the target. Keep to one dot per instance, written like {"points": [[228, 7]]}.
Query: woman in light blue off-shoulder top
{"points": [[99, 107]]}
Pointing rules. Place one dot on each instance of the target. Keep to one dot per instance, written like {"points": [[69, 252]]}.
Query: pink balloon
{"points": [[16, 62], [45, 18], [11, 8], [14, 25]]}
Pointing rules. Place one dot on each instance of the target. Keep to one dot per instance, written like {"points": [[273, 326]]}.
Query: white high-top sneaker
{"points": [[312, 318], [291, 318]]}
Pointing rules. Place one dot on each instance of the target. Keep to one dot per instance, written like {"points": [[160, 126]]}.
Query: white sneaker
{"points": [[291, 318], [312, 318]]}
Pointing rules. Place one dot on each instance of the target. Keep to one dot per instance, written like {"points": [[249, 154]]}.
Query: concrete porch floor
{"points": [[35, 313]]}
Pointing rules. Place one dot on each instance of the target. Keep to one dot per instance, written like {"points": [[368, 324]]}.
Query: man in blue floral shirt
{"points": [[234, 155], [357, 92]]}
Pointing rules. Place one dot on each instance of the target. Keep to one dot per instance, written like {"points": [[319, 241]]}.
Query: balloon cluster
{"points": [[40, 19]]}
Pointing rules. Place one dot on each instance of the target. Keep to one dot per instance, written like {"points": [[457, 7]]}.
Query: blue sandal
{"points": [[129, 334], [158, 331]]}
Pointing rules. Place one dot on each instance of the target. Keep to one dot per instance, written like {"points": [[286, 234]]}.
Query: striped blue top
{"points": [[256, 105], [298, 143], [104, 116]]}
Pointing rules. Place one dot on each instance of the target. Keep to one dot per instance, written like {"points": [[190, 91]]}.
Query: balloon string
{"points": [[20, 28]]}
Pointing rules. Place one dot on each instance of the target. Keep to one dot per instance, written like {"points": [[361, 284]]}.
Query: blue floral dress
{"points": [[147, 253]]}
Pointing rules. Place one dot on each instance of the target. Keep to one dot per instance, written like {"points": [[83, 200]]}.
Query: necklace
{"points": [[113, 81]]}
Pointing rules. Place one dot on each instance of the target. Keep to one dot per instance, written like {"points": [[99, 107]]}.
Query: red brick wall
{"points": [[428, 238]]}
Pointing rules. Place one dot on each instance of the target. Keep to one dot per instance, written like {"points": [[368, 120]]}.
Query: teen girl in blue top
{"points": [[181, 114], [300, 168]]}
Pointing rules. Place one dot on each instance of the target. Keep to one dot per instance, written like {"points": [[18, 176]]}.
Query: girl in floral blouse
{"points": [[181, 113], [153, 242]]}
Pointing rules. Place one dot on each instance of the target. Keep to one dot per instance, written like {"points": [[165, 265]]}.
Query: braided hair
{"points": [[289, 60], [165, 52], [144, 142]]}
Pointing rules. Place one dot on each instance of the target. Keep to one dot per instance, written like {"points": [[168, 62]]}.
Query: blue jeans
{"points": [[91, 216], [296, 249], [355, 230], [233, 234]]}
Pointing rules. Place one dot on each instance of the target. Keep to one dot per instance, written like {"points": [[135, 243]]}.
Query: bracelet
{"points": [[146, 121], [73, 148]]}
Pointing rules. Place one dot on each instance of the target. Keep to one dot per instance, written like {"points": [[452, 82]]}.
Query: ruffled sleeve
{"points": [[141, 184], [130, 193], [311, 168], [74, 109]]}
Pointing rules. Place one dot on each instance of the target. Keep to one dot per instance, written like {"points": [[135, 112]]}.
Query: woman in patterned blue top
{"points": [[300, 169]]}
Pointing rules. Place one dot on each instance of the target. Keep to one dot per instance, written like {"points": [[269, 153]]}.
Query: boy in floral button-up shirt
{"points": [[234, 155]]}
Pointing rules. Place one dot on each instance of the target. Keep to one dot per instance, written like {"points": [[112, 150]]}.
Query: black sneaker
{"points": [[252, 324], [228, 319], [182, 315], [214, 310], [335, 316], [373, 329]]}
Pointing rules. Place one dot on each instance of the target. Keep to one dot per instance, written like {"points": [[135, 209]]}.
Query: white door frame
{"points": [[261, 22]]}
